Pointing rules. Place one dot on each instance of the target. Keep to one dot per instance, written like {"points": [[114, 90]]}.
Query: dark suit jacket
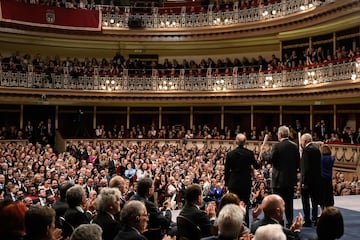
{"points": [[310, 166], [75, 217], [156, 219], [109, 226], [265, 221], [238, 169], [128, 233], [60, 208], [199, 217], [285, 160]]}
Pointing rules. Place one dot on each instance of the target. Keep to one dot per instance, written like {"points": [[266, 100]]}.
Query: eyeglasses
{"points": [[145, 215]]}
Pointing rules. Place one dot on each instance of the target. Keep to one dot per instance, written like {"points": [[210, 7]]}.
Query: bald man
{"points": [[238, 169], [273, 207]]}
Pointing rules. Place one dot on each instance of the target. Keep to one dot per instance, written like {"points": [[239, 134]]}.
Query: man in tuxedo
{"points": [[238, 169], [285, 160], [310, 178], [145, 190], [75, 214], [108, 206], [191, 210], [60, 206]]}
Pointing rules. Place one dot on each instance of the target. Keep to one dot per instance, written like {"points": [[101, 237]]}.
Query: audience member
{"points": [[40, 224], [75, 214], [60, 206], [230, 223], [269, 232], [108, 206], [191, 210], [330, 225], [273, 207], [12, 220], [134, 218], [145, 190], [87, 232], [310, 178]]}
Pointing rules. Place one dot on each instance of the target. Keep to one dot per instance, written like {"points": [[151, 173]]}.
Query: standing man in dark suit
{"points": [[310, 178], [238, 169], [285, 160]]}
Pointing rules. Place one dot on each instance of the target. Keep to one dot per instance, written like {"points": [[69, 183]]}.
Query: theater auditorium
{"points": [[119, 119]]}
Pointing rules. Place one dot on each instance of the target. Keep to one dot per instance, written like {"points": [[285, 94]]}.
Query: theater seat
{"points": [[187, 230]]}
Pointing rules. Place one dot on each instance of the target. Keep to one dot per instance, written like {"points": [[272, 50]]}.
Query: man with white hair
{"points": [[229, 221], [269, 232], [310, 178], [108, 206], [285, 160], [86, 232]]}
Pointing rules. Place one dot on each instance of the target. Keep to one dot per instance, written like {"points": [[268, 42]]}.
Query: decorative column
{"points": [[128, 117], [222, 118], [21, 116]]}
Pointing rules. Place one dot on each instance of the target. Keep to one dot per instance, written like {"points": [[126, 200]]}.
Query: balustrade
{"points": [[231, 80], [161, 18]]}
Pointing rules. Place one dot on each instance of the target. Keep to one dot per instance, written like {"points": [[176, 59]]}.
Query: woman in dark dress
{"points": [[327, 162]]}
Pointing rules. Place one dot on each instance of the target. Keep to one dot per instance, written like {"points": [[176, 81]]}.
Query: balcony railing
{"points": [[183, 18], [211, 81]]}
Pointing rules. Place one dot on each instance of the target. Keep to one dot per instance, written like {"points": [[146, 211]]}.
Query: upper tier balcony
{"points": [[334, 77]]}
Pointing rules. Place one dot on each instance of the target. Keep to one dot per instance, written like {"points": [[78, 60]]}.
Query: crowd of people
{"points": [[139, 181], [116, 66], [145, 6]]}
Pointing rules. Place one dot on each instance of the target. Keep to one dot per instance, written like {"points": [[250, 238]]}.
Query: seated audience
{"points": [[108, 206], [12, 220], [87, 232], [270, 232], [145, 190], [40, 224], [330, 225], [75, 214], [274, 207], [134, 218], [230, 222], [60, 206], [191, 210]]}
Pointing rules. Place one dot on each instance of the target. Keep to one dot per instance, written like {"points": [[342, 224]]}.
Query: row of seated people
{"points": [[45, 131], [36, 175], [115, 66], [146, 6], [37, 222]]}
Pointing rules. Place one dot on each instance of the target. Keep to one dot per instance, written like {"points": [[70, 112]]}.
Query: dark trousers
{"points": [[245, 197], [287, 195], [308, 194]]}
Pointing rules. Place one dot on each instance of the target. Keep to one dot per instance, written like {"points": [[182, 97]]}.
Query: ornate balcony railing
{"points": [[166, 18], [211, 81]]}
